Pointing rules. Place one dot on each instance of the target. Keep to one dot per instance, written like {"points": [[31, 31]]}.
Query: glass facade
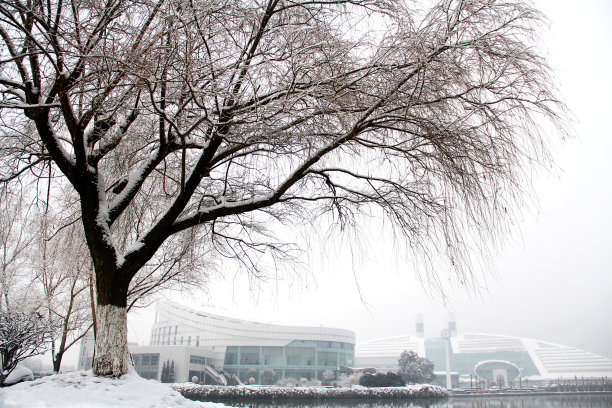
{"points": [[464, 363], [146, 365], [248, 348], [299, 359]]}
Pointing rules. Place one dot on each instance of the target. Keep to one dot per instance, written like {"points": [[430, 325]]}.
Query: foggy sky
{"points": [[554, 278]]}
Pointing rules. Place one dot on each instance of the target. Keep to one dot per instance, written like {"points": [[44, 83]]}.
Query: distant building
{"points": [[86, 352], [247, 348], [188, 362], [507, 357], [213, 348]]}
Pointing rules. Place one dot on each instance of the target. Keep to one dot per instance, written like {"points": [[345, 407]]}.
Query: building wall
{"points": [[248, 348], [298, 359], [148, 361]]}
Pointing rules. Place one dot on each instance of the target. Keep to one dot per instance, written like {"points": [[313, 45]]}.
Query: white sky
{"points": [[554, 279]]}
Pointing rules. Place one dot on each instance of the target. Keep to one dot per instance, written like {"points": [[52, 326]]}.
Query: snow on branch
{"points": [[22, 335]]}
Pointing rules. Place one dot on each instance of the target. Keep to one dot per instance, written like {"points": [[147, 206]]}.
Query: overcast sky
{"points": [[553, 279]]}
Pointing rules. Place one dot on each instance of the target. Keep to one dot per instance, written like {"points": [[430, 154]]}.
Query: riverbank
{"points": [[214, 393]]}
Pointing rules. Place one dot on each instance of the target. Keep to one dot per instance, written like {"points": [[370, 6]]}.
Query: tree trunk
{"points": [[57, 362], [111, 354]]}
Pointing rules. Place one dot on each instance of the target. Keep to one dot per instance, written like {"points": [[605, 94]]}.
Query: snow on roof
{"points": [[83, 389]]}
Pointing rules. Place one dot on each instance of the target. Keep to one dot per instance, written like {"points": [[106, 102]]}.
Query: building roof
{"points": [[551, 360]]}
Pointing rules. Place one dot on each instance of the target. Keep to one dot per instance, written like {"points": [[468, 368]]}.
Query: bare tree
{"points": [[62, 267], [215, 120], [16, 285]]}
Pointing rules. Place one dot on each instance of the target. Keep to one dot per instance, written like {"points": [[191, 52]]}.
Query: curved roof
{"points": [[551, 360], [209, 329]]}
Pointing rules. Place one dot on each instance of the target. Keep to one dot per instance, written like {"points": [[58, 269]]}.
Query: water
{"points": [[568, 401]]}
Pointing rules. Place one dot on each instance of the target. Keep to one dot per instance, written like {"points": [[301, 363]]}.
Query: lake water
{"points": [[568, 401]]}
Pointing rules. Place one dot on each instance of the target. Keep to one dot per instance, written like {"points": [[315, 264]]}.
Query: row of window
{"points": [[200, 360], [151, 359], [281, 356], [158, 337], [322, 344]]}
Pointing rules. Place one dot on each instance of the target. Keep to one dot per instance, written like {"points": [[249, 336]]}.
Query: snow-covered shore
{"points": [[254, 393], [81, 389]]}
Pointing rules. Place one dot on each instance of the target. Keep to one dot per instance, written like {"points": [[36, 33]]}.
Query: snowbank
{"points": [[83, 389], [20, 373], [255, 393]]}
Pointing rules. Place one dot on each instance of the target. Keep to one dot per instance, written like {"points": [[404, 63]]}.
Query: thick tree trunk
{"points": [[111, 354]]}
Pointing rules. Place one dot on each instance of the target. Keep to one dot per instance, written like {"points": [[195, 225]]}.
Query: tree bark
{"points": [[111, 352]]}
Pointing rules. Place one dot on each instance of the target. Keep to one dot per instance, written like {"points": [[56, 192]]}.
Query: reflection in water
{"points": [[568, 401]]}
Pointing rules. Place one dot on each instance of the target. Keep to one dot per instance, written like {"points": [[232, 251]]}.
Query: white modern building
{"points": [[217, 349], [247, 349], [536, 360]]}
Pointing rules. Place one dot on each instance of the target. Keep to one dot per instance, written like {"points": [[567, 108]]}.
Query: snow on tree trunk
{"points": [[111, 352]]}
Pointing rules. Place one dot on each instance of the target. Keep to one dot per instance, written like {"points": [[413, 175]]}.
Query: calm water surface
{"points": [[571, 401]]}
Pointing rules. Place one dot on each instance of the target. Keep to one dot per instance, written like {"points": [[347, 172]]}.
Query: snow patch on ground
{"points": [[20, 373], [82, 389]]}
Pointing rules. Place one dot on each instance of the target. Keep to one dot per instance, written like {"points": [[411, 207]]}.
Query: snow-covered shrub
{"points": [[22, 335], [389, 379], [415, 369]]}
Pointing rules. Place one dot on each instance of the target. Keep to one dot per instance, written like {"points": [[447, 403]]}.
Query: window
{"points": [[231, 356], [198, 341], [273, 356], [197, 360], [146, 365], [249, 358]]}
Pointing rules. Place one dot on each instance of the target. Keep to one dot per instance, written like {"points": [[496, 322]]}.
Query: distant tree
{"points": [[62, 271], [167, 373], [389, 379], [22, 335], [415, 369], [17, 288], [171, 372], [328, 376], [164, 373], [268, 377], [43, 272], [209, 123]]}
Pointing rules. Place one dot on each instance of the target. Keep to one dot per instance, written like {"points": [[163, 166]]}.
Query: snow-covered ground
{"points": [[81, 389]]}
